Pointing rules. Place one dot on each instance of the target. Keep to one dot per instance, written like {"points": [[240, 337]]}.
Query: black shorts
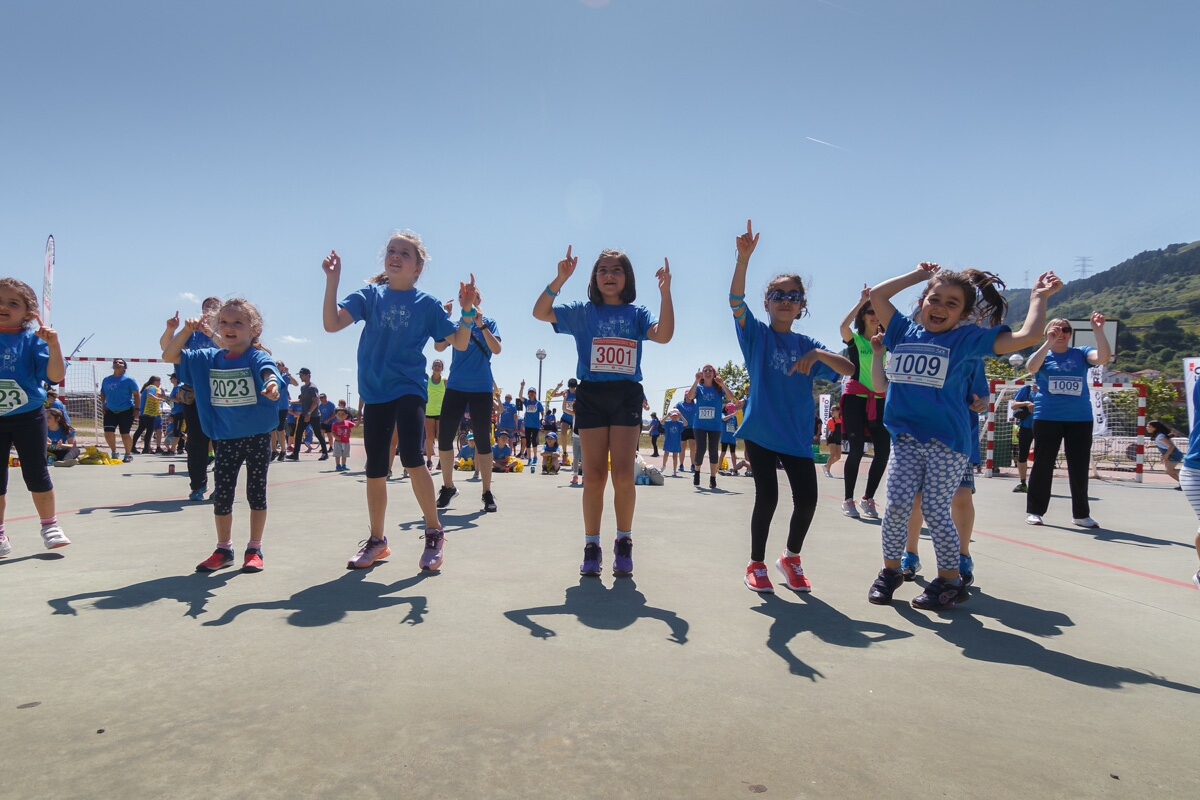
{"points": [[1024, 439], [406, 416], [606, 404], [434, 417], [118, 420], [688, 435]]}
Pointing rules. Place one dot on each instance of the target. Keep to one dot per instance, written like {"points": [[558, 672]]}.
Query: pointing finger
{"points": [[568, 252]]}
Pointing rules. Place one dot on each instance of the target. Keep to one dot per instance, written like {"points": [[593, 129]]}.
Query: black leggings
{"points": [[654, 444], [304, 421], [707, 441], [453, 404], [145, 423], [406, 416], [802, 475], [255, 452], [197, 449], [26, 432], [531, 439], [854, 423], [1076, 438], [1024, 439]]}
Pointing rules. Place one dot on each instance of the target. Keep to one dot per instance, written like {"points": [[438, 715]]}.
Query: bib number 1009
{"points": [[919, 364], [614, 355]]}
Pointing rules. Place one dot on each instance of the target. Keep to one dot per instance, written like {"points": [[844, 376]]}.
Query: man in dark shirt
{"points": [[309, 401]]}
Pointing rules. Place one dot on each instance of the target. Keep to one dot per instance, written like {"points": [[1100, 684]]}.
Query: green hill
{"points": [[1156, 297]]}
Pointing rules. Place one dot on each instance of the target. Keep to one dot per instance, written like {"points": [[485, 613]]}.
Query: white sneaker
{"points": [[848, 509], [54, 537], [1086, 522], [1033, 519], [868, 508], [1196, 580], [828, 474], [5, 546]]}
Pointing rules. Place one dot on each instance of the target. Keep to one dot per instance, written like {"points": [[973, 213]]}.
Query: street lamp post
{"points": [[541, 356]]}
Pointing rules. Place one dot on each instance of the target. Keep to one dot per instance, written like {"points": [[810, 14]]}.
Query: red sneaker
{"points": [[253, 561], [756, 578], [220, 558], [793, 574]]}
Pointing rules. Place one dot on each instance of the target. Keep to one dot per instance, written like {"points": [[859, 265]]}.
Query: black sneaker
{"points": [[489, 502], [941, 593], [445, 494], [695, 478], [293, 457], [1020, 488], [324, 457], [967, 579], [712, 482], [888, 581]]}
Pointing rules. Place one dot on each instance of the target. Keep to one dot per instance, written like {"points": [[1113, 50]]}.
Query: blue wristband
{"points": [[552, 294], [733, 296]]}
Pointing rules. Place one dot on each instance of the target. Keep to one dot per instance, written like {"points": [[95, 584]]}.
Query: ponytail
{"points": [[991, 306]]}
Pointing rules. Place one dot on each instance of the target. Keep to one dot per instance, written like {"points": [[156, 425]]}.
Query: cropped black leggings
{"points": [[802, 475], [854, 423], [707, 442]]}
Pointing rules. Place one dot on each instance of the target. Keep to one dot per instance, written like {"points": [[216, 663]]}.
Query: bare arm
{"points": [[333, 316], [174, 349], [1034, 364], [878, 358], [846, 331], [543, 309], [882, 294], [1103, 351], [737, 285], [664, 329], [56, 368], [1035, 321]]}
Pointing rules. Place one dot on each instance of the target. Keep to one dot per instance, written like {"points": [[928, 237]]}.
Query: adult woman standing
{"points": [[710, 394], [1062, 414], [433, 409], [862, 408]]}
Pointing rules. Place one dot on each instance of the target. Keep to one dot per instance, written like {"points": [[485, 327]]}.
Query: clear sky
{"points": [[181, 150]]}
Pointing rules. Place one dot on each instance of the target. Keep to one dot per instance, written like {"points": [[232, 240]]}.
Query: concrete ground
{"points": [[1074, 670]]}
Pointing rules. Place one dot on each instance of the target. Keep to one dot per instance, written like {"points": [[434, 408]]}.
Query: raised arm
{"points": [[737, 285], [690, 395], [543, 309], [1035, 321], [172, 325], [846, 331], [664, 329], [461, 337], [174, 349], [879, 379], [882, 294], [56, 368], [333, 316], [1103, 351]]}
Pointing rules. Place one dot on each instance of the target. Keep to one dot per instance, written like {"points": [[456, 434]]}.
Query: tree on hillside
{"points": [[735, 376]]}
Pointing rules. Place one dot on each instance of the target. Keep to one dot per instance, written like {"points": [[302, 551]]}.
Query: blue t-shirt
{"points": [[118, 392], [467, 451], [1192, 459], [500, 453], [23, 362], [550, 448], [1064, 392], [326, 410], [57, 437], [929, 374], [687, 409], [508, 416], [285, 386], [550, 421], [471, 369], [533, 414], [709, 400], [391, 357], [1027, 394], [779, 411], [608, 339], [729, 429], [228, 397], [655, 427], [63, 409], [569, 404], [980, 387], [673, 436]]}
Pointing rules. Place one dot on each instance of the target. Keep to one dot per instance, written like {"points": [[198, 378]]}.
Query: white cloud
{"points": [[292, 340], [190, 297], [346, 369]]}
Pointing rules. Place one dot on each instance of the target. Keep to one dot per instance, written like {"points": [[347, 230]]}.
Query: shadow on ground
{"points": [[596, 606]]}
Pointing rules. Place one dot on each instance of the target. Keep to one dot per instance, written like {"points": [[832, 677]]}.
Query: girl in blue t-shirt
{"points": [[673, 440], [729, 426], [1022, 406], [1168, 453], [608, 330], [399, 320], [1062, 415], [777, 424], [932, 358], [32, 358], [709, 393], [236, 391]]}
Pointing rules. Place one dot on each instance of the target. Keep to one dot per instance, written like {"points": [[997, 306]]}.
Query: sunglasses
{"points": [[779, 295], [870, 311]]}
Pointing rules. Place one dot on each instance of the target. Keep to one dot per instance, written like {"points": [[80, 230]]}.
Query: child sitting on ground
{"points": [[502, 457], [466, 456], [552, 455], [340, 429]]}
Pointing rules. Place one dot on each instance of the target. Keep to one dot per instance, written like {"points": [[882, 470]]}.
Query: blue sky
{"points": [[178, 151]]}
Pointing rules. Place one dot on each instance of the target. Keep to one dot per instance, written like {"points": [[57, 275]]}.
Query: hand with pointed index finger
{"points": [[865, 297], [664, 276], [47, 335], [449, 306], [271, 391], [566, 267], [173, 322], [928, 266], [747, 242]]}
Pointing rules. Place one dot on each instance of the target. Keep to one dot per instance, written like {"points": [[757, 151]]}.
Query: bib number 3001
{"points": [[614, 355], [919, 365], [232, 387], [12, 396]]}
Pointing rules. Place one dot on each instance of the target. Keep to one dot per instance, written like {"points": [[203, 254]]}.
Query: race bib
{"points": [[708, 413], [919, 364], [232, 387], [1072, 387], [568, 406], [12, 396], [613, 354]]}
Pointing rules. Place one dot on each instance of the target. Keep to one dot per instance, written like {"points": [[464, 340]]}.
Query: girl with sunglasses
{"points": [[777, 421], [862, 408], [609, 330]]}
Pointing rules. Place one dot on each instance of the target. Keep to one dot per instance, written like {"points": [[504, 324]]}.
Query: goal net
{"points": [[1118, 431], [80, 390]]}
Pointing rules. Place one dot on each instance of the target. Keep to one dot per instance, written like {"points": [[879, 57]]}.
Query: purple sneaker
{"points": [[431, 559], [623, 556], [593, 558], [371, 551]]}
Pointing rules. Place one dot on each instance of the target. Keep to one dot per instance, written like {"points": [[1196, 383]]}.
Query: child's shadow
{"points": [[965, 631], [193, 590], [55, 556], [601, 608], [143, 507], [451, 523], [330, 602], [823, 621]]}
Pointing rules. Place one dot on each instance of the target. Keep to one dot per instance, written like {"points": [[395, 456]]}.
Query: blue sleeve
{"points": [[358, 305], [494, 328], [569, 318], [978, 342], [645, 320], [1022, 394], [821, 369], [263, 361], [748, 334], [896, 330], [440, 326]]}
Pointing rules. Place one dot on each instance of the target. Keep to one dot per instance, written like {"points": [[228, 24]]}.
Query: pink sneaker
{"points": [[432, 558], [756, 578], [793, 574], [371, 551]]}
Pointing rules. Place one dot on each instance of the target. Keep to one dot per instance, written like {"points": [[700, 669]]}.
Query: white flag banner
{"points": [[48, 282], [1099, 414], [826, 408]]}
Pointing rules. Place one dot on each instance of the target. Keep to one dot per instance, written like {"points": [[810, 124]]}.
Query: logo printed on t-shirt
{"points": [[782, 360], [615, 326], [396, 317]]}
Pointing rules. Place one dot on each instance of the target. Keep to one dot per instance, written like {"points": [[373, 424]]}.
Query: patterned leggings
{"points": [[934, 470], [255, 451]]}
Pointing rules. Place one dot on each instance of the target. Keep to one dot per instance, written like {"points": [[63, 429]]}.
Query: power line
{"points": [[1083, 264]]}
